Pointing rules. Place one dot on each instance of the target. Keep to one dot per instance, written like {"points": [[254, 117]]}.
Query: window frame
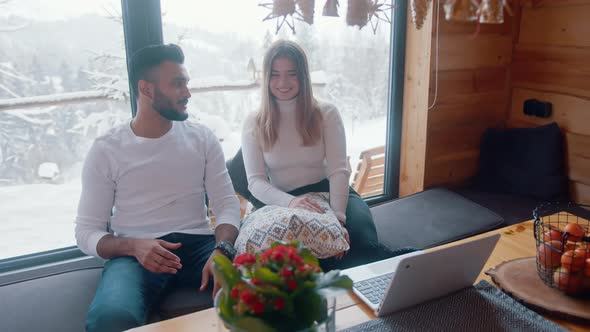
{"points": [[142, 25], [393, 138]]}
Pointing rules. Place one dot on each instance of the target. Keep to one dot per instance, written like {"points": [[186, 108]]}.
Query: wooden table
{"points": [[516, 241]]}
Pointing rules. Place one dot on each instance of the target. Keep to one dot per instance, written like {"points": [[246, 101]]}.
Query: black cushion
{"points": [[430, 218], [523, 161], [237, 173], [512, 208]]}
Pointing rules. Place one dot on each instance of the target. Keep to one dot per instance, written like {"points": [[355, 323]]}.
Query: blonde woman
{"points": [[294, 145]]}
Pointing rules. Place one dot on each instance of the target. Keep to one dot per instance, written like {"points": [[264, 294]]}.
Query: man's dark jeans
{"points": [[127, 291]]}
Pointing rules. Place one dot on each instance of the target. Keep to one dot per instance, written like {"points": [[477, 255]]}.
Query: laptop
{"points": [[400, 282]]}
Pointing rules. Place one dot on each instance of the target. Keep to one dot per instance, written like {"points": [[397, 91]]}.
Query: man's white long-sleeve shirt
{"points": [[153, 187]]}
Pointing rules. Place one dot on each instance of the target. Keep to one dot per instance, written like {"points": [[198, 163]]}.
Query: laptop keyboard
{"points": [[374, 288]]}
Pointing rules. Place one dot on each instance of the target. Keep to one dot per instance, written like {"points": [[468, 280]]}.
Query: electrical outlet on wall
{"points": [[534, 107]]}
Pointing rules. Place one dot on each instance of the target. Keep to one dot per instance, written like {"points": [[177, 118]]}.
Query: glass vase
{"points": [[327, 325]]}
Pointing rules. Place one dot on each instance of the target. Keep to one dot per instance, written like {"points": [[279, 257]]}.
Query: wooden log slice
{"points": [[519, 279]]}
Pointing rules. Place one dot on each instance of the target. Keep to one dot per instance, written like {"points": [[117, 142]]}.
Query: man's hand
{"points": [[208, 273], [223, 233], [303, 202], [154, 255]]}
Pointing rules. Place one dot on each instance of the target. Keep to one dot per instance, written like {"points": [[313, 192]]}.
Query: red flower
{"points": [[279, 303], [286, 273], [266, 255], [291, 251], [283, 254], [235, 293], [292, 285], [244, 258], [277, 256], [297, 260], [256, 281], [313, 267], [258, 307], [247, 297]]}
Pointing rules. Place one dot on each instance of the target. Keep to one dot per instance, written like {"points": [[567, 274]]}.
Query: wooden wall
{"points": [[542, 52], [415, 119], [473, 94], [551, 62]]}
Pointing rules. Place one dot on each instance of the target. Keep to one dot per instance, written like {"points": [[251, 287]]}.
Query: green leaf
{"points": [[253, 324], [225, 272], [226, 307], [267, 275], [308, 257], [271, 291], [309, 284], [343, 282], [278, 243], [333, 279]]}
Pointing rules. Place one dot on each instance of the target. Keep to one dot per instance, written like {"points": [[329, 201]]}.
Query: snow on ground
{"points": [[363, 136], [39, 217]]}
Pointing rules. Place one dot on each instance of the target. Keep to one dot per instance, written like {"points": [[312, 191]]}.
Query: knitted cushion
{"points": [[321, 233]]}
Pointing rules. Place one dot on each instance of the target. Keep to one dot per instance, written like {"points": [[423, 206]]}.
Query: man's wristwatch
{"points": [[227, 249]]}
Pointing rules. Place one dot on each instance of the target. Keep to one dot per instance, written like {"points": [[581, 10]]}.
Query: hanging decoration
{"points": [[331, 8], [492, 11], [358, 13], [306, 10], [419, 11], [286, 10], [282, 10], [461, 10], [361, 12], [379, 12], [481, 11]]}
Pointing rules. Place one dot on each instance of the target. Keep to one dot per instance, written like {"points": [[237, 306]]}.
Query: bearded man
{"points": [[142, 206]]}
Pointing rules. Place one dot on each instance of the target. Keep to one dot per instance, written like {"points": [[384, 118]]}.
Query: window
{"points": [[225, 41], [63, 81]]}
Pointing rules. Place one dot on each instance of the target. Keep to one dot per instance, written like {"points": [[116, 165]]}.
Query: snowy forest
{"points": [[85, 54]]}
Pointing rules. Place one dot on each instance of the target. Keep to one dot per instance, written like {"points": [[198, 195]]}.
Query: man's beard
{"points": [[165, 107]]}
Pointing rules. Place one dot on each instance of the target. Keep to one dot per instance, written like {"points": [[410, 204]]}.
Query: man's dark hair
{"points": [[147, 58]]}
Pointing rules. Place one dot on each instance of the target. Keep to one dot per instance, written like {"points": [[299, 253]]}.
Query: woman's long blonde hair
{"points": [[308, 116]]}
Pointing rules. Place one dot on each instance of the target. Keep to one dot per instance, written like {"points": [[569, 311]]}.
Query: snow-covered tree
{"points": [[307, 38], [12, 82], [10, 23], [111, 76], [268, 39]]}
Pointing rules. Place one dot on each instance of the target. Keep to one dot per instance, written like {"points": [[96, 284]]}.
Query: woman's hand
{"points": [[346, 235], [306, 203]]}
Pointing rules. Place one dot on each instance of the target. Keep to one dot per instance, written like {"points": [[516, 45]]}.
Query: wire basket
{"points": [[563, 247]]}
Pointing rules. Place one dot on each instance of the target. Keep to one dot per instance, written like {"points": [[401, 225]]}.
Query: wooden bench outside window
{"points": [[370, 172]]}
